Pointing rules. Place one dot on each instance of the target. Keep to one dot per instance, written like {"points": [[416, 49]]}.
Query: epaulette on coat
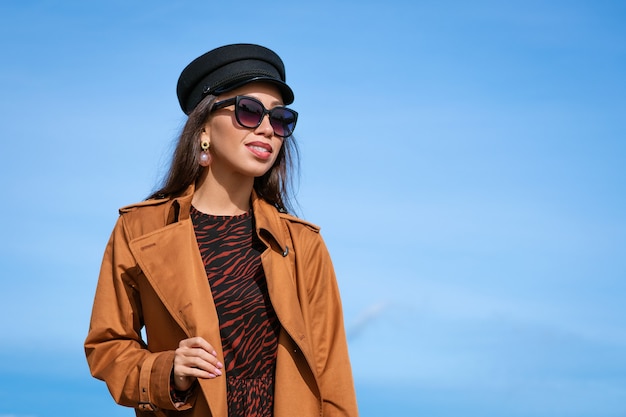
{"points": [[295, 219], [145, 203]]}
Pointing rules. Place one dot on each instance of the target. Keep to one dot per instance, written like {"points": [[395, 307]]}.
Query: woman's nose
{"points": [[265, 127]]}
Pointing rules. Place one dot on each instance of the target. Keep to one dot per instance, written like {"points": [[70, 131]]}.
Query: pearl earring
{"points": [[205, 156]]}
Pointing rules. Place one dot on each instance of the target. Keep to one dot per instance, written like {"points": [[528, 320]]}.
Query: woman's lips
{"points": [[260, 149]]}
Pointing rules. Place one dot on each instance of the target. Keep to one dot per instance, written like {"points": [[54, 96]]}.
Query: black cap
{"points": [[229, 67]]}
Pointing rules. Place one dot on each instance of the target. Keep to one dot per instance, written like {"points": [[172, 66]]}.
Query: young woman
{"points": [[238, 299]]}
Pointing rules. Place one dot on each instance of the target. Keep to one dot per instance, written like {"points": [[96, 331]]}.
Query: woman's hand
{"points": [[195, 358]]}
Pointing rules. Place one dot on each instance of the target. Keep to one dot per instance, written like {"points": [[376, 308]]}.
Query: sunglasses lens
{"points": [[283, 120], [249, 112]]}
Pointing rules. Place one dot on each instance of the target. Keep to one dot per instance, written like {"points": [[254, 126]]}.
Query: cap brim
{"points": [[285, 90]]}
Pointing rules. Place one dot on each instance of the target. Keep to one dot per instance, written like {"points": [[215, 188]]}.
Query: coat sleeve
{"points": [[114, 347], [325, 315]]}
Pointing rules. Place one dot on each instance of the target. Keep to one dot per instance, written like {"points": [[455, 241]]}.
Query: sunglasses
{"points": [[250, 113]]}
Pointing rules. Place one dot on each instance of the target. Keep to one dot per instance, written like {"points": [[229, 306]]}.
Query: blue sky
{"points": [[466, 161]]}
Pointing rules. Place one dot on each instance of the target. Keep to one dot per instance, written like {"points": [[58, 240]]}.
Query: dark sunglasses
{"points": [[250, 113]]}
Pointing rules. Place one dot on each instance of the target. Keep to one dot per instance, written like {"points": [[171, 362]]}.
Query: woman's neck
{"points": [[227, 196]]}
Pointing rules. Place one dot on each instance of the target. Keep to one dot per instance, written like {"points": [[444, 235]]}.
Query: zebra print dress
{"points": [[249, 328]]}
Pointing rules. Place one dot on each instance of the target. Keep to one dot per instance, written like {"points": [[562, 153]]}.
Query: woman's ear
{"points": [[206, 131]]}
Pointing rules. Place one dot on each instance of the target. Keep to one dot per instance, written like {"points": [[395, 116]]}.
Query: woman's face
{"points": [[238, 150]]}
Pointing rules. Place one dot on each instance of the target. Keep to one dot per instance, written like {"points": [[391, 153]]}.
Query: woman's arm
{"points": [[328, 334], [114, 347]]}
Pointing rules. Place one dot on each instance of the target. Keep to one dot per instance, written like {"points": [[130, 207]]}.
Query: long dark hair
{"points": [[276, 186]]}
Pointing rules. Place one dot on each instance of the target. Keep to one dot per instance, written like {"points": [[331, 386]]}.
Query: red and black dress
{"points": [[249, 328]]}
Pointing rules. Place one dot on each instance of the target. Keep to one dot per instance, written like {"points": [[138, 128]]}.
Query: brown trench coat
{"points": [[152, 275]]}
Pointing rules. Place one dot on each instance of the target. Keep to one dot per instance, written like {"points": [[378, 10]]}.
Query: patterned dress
{"points": [[249, 328]]}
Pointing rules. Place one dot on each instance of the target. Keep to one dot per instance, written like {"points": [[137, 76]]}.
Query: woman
{"points": [[238, 299]]}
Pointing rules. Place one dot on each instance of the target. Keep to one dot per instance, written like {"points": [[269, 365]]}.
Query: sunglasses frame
{"points": [[235, 100]]}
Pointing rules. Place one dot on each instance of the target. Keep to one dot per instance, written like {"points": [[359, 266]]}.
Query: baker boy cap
{"points": [[229, 67]]}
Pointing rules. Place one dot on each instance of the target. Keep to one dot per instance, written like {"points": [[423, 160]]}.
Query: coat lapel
{"points": [[171, 261], [283, 294], [280, 274]]}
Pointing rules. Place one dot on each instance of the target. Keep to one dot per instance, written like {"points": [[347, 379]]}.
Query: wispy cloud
{"points": [[365, 319]]}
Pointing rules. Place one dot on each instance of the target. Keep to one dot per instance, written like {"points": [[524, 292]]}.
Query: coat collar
{"points": [[269, 227]]}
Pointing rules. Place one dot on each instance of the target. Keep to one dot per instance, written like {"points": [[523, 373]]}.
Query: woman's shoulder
{"points": [[298, 222], [270, 213], [150, 203], [145, 216]]}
